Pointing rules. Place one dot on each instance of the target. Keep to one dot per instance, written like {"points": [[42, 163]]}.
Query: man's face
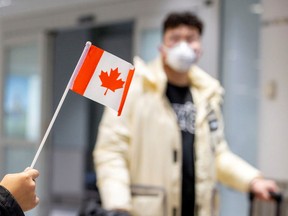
{"points": [[185, 33]]}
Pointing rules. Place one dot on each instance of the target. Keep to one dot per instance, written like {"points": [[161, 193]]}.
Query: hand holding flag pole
{"points": [[91, 79]]}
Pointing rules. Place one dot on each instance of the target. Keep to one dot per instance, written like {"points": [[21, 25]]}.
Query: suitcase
{"points": [[277, 197]]}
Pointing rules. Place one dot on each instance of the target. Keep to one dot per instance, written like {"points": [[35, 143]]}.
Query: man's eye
{"points": [[175, 38], [191, 39]]}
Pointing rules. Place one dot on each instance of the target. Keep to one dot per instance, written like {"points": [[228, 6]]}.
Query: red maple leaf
{"points": [[111, 81]]}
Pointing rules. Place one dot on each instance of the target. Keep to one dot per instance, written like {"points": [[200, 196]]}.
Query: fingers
{"points": [[28, 168], [263, 187], [33, 173], [32, 203], [268, 190], [32, 199], [37, 200], [274, 187], [265, 195]]}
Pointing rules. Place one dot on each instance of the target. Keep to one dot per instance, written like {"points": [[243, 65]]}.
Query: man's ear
{"points": [[200, 54], [162, 50]]}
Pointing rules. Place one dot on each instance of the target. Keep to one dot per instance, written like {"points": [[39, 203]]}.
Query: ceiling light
{"points": [[5, 3], [256, 8]]}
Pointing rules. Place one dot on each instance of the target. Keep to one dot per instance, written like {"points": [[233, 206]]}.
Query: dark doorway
{"points": [[75, 131], [116, 39]]}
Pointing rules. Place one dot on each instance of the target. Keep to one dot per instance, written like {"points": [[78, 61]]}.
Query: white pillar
{"points": [[2, 173], [273, 113]]}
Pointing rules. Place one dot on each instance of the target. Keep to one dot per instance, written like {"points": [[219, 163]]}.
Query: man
{"points": [[17, 193], [166, 152]]}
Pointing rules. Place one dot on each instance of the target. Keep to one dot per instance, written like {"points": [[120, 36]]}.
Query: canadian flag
{"points": [[103, 77]]}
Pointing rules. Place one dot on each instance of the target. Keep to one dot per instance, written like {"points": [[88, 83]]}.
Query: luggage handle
{"points": [[276, 196]]}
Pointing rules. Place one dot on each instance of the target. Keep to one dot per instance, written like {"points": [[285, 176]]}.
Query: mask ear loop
{"points": [[163, 50]]}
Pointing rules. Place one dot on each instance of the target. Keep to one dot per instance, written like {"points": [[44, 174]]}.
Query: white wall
{"points": [[1, 95], [273, 115]]}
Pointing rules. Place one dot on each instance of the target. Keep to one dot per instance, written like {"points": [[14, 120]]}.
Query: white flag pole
{"points": [[76, 70]]}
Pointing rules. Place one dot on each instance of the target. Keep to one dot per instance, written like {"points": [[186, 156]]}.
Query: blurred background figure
{"points": [[169, 141], [244, 46]]}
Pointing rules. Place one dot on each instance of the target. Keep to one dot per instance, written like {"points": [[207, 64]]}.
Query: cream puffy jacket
{"points": [[138, 155]]}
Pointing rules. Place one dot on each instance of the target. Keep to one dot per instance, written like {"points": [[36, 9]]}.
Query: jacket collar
{"points": [[204, 87]]}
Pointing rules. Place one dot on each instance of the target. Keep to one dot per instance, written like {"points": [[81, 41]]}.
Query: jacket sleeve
{"points": [[8, 205], [111, 160], [232, 170]]}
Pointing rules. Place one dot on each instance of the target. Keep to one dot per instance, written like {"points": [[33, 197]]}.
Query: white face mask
{"points": [[181, 57]]}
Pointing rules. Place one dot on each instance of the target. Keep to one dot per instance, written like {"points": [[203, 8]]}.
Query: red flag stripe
{"points": [[125, 92], [87, 70]]}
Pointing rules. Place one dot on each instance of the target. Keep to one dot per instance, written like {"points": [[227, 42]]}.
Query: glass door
{"points": [[21, 103]]}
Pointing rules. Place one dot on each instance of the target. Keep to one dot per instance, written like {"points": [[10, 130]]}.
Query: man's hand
{"points": [[22, 186], [261, 188]]}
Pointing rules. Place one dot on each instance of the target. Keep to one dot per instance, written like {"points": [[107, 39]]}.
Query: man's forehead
{"points": [[182, 29]]}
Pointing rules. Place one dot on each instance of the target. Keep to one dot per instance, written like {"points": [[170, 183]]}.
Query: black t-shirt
{"points": [[182, 102]]}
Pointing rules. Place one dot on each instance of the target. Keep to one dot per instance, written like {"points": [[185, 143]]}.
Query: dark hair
{"points": [[175, 19]]}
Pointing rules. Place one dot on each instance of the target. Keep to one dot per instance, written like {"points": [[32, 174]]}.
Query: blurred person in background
{"points": [[17, 193], [166, 153]]}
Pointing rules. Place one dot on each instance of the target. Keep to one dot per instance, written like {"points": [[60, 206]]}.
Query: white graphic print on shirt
{"points": [[186, 116]]}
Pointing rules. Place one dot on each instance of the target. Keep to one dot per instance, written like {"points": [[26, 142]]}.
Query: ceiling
{"points": [[21, 7]]}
